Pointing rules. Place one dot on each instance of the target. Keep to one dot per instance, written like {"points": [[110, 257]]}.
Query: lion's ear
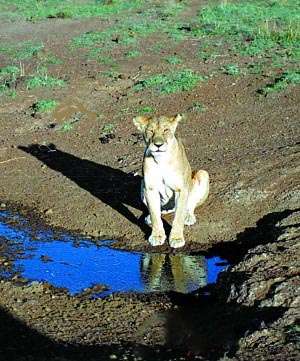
{"points": [[140, 123], [175, 120]]}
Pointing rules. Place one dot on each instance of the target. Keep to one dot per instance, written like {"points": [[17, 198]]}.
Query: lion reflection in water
{"points": [[180, 273]]}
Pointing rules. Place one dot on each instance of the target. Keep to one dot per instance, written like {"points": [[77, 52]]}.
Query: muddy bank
{"points": [[252, 312]]}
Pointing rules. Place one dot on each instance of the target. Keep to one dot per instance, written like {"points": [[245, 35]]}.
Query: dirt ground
{"points": [[88, 182]]}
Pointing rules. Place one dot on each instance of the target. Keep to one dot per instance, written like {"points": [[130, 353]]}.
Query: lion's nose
{"points": [[158, 144]]}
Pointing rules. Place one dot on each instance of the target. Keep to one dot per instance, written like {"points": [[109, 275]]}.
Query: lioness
{"points": [[168, 184]]}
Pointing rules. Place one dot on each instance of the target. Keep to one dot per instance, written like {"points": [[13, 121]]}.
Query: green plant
{"points": [[65, 127], [105, 60], [112, 74], [197, 107], [231, 69], [45, 105], [42, 79], [8, 78], [173, 60], [146, 109], [13, 94], [52, 60], [181, 80], [291, 77], [293, 332], [26, 50], [106, 129], [132, 53]]}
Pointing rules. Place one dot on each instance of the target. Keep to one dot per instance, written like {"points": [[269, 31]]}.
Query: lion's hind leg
{"points": [[198, 194]]}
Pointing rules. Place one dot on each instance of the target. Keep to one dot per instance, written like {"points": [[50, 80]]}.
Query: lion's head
{"points": [[158, 132]]}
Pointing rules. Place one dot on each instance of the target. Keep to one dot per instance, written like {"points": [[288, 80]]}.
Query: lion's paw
{"points": [[157, 239], [190, 219], [176, 242]]}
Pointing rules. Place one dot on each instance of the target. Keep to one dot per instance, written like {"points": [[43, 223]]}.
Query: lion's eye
{"points": [[150, 131], [166, 130]]}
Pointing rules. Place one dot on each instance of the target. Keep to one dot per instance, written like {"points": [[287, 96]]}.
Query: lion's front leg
{"points": [[158, 236], [176, 239]]}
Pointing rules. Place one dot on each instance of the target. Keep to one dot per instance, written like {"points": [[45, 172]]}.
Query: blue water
{"points": [[77, 263]]}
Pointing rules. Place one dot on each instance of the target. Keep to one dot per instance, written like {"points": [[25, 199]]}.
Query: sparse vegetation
{"points": [[181, 80], [269, 29], [288, 78], [293, 332], [197, 107], [173, 60], [8, 78], [46, 105], [146, 109], [42, 79], [106, 129], [132, 53], [231, 69], [63, 9]]}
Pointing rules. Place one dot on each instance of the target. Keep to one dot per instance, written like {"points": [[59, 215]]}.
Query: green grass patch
{"points": [[45, 106], [105, 60], [112, 74], [26, 50], [65, 127], [52, 60], [145, 109], [130, 29], [173, 60], [42, 79], [231, 69], [28, 9], [291, 77], [21, 51], [182, 80], [132, 53], [251, 27]]}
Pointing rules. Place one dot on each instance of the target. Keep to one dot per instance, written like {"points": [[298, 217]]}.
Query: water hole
{"points": [[78, 264]]}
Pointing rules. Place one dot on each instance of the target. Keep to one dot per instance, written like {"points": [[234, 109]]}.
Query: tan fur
{"points": [[167, 177]]}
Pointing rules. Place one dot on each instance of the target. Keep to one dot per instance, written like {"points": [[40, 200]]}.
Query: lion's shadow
{"points": [[112, 186]]}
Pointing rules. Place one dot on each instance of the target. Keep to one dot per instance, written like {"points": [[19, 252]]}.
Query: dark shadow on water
{"points": [[112, 186]]}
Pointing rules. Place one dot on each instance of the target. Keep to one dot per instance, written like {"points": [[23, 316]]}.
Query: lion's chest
{"points": [[163, 176]]}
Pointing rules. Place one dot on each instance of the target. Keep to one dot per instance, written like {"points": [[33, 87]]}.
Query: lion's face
{"points": [[158, 133]]}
